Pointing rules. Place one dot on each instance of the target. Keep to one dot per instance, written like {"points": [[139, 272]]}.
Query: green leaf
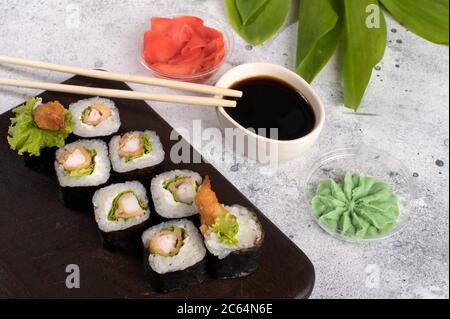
{"points": [[226, 229], [364, 47], [170, 181], [25, 137], [257, 22], [426, 18], [318, 35], [248, 9]]}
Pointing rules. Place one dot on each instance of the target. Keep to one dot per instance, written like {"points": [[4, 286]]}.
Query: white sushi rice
{"points": [[165, 205], [190, 253], [155, 157], [107, 127], [249, 234], [103, 200], [102, 169]]}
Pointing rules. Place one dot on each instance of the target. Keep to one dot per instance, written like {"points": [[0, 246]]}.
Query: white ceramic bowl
{"points": [[286, 150]]}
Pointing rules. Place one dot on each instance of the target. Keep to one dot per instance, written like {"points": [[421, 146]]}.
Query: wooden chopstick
{"points": [[186, 86], [122, 94]]}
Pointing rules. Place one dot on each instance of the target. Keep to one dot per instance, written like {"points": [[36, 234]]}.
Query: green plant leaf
{"points": [[318, 36], [364, 47], [248, 9], [261, 22], [426, 18]]}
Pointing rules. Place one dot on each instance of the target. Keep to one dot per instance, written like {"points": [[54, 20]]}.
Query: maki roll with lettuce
{"points": [[174, 255], [82, 167], [233, 235], [122, 214], [135, 156], [174, 192], [38, 130], [95, 118]]}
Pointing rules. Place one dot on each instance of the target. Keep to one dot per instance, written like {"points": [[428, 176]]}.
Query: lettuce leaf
{"points": [[226, 229], [170, 181], [26, 137], [88, 109], [115, 205], [85, 171], [147, 148]]}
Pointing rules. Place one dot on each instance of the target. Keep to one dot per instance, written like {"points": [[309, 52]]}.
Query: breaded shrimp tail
{"points": [[208, 205]]}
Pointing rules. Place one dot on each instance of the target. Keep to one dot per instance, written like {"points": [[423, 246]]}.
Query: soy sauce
{"points": [[272, 103]]}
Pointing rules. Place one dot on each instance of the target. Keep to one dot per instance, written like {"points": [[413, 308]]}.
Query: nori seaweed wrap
{"points": [[174, 255]]}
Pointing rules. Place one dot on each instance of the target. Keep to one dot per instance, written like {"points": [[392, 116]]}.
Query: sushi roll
{"points": [[173, 193], [37, 131], [82, 167], [95, 118], [136, 156], [122, 214], [232, 234], [174, 256]]}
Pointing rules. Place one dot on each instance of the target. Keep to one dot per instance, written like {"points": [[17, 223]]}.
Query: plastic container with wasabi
{"points": [[359, 194]]}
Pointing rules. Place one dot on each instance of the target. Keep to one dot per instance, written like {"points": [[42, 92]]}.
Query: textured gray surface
{"points": [[408, 100]]}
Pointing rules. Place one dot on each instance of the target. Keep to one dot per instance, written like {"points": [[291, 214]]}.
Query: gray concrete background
{"points": [[407, 99]]}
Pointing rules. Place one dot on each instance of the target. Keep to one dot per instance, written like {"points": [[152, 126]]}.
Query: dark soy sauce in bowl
{"points": [[269, 102]]}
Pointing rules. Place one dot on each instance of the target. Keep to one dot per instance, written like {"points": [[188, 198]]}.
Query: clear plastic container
{"points": [[211, 22], [368, 162]]}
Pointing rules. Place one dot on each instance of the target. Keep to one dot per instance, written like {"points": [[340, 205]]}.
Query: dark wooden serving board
{"points": [[39, 237]]}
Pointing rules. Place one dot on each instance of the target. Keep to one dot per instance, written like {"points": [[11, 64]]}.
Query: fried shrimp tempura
{"points": [[49, 116], [208, 205]]}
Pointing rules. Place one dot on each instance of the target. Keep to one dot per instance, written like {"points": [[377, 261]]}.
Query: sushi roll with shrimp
{"points": [[95, 118], [232, 234], [174, 192], [122, 214], [136, 156], [37, 131], [174, 255], [82, 167]]}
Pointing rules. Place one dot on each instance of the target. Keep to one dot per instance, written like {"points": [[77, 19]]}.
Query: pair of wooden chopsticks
{"points": [[134, 95]]}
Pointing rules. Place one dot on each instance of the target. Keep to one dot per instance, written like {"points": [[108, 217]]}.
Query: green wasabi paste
{"points": [[360, 207]]}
